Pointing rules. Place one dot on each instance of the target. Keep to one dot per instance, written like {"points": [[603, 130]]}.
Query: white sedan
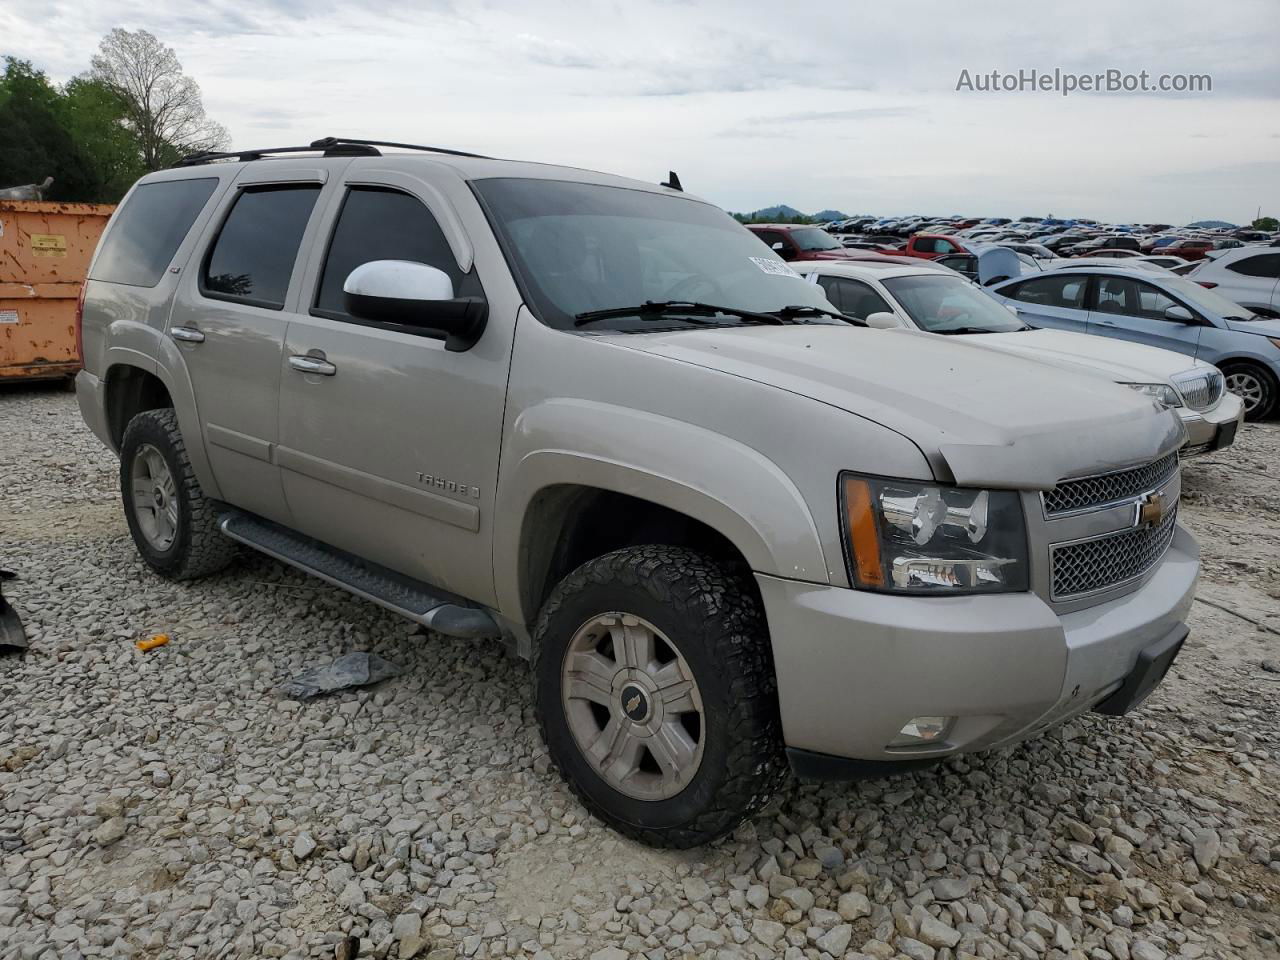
{"points": [[925, 298]]}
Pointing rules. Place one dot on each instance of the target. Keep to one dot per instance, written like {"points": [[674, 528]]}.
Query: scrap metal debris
{"points": [[349, 670], [150, 643], [12, 635]]}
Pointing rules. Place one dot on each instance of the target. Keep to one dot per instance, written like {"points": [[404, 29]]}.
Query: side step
{"points": [[429, 606]]}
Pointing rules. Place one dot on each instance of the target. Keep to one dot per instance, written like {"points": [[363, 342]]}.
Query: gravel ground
{"points": [[170, 804]]}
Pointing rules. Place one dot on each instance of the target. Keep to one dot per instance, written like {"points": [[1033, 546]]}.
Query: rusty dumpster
{"points": [[45, 249]]}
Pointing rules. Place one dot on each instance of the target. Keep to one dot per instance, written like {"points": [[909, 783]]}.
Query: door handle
{"points": [[307, 364], [187, 334]]}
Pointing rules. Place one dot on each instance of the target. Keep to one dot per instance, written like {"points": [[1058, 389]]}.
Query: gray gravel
{"points": [[171, 804]]}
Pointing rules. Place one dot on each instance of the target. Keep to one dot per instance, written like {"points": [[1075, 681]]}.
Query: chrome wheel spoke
{"points": [[680, 697], [153, 491], [589, 676], [675, 752], [633, 644]]}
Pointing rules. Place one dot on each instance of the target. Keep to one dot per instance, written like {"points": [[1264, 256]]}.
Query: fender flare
{"points": [[732, 488]]}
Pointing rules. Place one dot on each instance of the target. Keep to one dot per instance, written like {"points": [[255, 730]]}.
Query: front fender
{"points": [[723, 483]]}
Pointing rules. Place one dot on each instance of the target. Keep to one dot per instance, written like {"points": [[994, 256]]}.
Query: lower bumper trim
{"points": [[1153, 663], [808, 765]]}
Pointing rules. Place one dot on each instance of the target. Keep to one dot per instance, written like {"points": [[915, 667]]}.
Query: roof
{"points": [[783, 226], [390, 156]]}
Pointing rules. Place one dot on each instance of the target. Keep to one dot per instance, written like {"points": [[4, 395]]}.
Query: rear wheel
{"points": [[173, 525], [656, 694], [1254, 385]]}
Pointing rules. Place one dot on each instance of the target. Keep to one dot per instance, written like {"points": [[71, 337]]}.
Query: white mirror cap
{"points": [[882, 320], [399, 280], [779, 245], [1011, 308]]}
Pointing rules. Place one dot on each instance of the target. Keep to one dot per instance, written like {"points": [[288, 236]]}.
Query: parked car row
{"points": [[734, 524]]}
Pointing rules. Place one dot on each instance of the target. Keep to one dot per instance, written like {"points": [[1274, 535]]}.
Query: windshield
{"points": [[812, 238], [942, 304], [580, 247], [1205, 300]]}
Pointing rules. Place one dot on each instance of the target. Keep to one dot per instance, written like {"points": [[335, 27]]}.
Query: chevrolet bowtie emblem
{"points": [[631, 704], [1152, 509]]}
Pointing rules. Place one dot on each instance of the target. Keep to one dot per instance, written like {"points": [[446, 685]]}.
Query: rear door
{"points": [[1130, 309], [229, 322], [389, 443], [1054, 300]]}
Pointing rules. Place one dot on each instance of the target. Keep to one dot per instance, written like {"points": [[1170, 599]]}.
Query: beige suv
{"points": [[598, 419]]}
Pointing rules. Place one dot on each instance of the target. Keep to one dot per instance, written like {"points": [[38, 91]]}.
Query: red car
{"points": [[930, 246], [1188, 249], [797, 241]]}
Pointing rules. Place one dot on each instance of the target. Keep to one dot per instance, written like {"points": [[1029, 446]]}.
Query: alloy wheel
{"points": [[633, 706], [155, 497], [1247, 387]]}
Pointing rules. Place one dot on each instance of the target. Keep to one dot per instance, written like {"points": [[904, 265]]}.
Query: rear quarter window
{"points": [[148, 230]]}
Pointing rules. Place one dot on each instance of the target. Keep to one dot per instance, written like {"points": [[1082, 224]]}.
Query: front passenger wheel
{"points": [[656, 694], [173, 525], [1252, 384]]}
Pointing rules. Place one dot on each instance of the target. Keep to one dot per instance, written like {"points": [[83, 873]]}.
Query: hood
{"points": [[841, 254], [1117, 360], [1266, 328], [986, 417]]}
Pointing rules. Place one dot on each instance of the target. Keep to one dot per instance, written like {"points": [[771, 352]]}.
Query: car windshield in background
{"points": [[814, 238], [943, 304], [580, 247], [1206, 300]]}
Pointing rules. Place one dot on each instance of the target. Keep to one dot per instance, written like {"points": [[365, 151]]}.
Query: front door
{"points": [[1130, 309], [1056, 301], [389, 443], [229, 324]]}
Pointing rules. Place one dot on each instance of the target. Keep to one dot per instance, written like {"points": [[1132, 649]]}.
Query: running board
{"points": [[433, 608]]}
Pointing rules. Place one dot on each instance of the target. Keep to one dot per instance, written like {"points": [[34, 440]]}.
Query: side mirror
{"points": [[1011, 308], [1179, 315], [883, 320], [414, 295]]}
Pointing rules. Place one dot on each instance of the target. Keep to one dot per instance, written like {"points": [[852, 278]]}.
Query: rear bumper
{"points": [[855, 667], [1213, 429], [91, 394]]}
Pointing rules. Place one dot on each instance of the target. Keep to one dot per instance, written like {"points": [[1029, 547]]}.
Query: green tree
{"points": [[94, 115], [1269, 224], [34, 143]]}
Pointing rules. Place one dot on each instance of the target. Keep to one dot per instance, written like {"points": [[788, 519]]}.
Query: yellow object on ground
{"points": [[159, 640]]}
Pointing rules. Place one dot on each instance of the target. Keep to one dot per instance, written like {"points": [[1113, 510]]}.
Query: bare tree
{"points": [[162, 104]]}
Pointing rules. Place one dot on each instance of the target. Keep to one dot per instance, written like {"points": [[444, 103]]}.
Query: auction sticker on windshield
{"points": [[775, 267]]}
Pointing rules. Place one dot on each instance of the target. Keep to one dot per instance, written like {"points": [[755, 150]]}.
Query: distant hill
{"points": [[783, 213], [1207, 224]]}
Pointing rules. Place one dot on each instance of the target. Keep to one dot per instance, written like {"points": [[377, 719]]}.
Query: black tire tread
{"points": [[207, 550], [687, 580]]}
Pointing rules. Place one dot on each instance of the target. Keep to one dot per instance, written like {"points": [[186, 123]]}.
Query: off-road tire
{"points": [[1267, 406], [198, 548], [713, 615]]}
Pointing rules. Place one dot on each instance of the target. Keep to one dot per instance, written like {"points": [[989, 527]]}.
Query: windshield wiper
{"points": [[963, 330], [792, 312], [656, 309]]}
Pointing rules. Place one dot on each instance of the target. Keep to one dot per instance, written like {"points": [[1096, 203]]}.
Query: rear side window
{"points": [[252, 259], [148, 230], [1051, 292], [381, 224], [1267, 265]]}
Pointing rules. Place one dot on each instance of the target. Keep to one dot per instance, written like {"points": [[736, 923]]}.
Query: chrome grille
{"points": [[1088, 566], [1089, 492], [1200, 391]]}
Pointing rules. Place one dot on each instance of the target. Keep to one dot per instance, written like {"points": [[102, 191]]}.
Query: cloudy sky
{"points": [[836, 104]]}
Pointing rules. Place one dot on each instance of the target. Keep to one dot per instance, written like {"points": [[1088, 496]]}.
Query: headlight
{"points": [[903, 536], [1160, 391]]}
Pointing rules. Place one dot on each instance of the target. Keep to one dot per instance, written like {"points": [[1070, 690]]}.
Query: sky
{"points": [[842, 104]]}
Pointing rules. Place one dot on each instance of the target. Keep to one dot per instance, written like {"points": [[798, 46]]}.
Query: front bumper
{"points": [[854, 667], [1212, 429]]}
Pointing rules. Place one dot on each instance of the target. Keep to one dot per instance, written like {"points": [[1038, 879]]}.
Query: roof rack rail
{"points": [[328, 146]]}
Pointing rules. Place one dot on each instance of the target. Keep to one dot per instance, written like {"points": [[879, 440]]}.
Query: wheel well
{"points": [[130, 391], [567, 525]]}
